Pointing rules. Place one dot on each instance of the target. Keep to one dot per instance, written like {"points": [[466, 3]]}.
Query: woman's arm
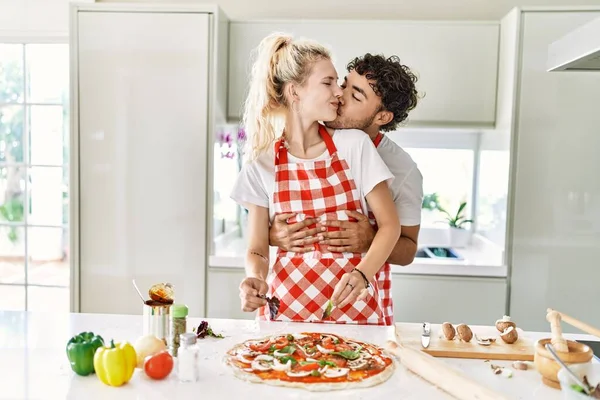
{"points": [[352, 284], [257, 259]]}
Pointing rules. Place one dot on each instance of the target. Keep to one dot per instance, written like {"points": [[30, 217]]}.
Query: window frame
{"points": [[27, 38]]}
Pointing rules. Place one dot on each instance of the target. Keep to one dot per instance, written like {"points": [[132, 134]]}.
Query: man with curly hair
{"points": [[378, 94]]}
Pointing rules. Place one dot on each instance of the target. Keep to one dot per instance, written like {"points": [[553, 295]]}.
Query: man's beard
{"points": [[349, 123]]}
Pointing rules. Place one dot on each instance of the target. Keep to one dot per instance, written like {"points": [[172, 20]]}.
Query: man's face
{"points": [[358, 105]]}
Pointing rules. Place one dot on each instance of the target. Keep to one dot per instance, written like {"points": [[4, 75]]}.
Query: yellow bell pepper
{"points": [[115, 364]]}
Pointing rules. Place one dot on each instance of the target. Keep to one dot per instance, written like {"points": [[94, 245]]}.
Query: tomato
{"points": [[159, 365], [328, 343], [281, 343], [261, 347], [342, 347], [308, 367], [339, 361]]}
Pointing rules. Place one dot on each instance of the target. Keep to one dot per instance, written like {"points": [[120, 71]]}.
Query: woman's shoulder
{"points": [[263, 160], [353, 136]]}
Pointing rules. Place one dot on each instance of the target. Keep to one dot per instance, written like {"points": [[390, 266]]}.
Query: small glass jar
{"points": [[179, 313], [187, 359]]}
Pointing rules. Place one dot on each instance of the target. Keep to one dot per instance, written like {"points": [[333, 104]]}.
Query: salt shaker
{"points": [[187, 358]]}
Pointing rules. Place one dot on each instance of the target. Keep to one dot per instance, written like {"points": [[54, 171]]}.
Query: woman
{"points": [[313, 172]]}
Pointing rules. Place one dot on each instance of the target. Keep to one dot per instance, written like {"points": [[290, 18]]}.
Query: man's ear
{"points": [[384, 117]]}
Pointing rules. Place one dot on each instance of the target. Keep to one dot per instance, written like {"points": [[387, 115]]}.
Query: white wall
{"points": [[36, 18]]}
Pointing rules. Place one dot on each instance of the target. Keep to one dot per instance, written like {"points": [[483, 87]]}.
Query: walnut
{"points": [[448, 330], [464, 332]]}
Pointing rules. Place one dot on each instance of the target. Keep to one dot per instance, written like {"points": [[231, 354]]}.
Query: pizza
{"points": [[311, 361]]}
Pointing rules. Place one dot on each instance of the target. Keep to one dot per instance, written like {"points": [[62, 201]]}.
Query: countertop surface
{"points": [[34, 363]]}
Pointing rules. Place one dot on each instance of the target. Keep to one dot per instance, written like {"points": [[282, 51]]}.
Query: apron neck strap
{"points": [[377, 139], [281, 153]]}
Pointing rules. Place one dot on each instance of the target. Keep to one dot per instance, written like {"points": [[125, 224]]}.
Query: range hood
{"points": [[579, 50]]}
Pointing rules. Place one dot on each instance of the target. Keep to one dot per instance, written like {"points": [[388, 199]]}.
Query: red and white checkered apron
{"points": [[384, 275], [304, 282]]}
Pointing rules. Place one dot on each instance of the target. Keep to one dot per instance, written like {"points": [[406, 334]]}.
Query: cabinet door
{"points": [[142, 156], [555, 218], [223, 294], [456, 62], [436, 299]]}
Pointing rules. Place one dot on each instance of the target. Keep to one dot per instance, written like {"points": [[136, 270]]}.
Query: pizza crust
{"points": [[374, 380]]}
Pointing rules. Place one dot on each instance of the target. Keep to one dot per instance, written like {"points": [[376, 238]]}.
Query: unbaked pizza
{"points": [[312, 361]]}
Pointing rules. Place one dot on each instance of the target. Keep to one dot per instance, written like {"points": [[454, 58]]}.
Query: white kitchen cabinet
{"points": [[144, 103], [554, 234], [223, 299], [439, 299], [456, 62]]}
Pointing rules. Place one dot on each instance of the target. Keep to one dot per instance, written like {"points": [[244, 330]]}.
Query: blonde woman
{"points": [[313, 172]]}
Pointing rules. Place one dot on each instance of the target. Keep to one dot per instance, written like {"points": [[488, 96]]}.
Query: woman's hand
{"points": [[349, 289], [251, 290]]}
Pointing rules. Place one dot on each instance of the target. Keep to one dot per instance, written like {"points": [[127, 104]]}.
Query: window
{"points": [[34, 177], [447, 177]]}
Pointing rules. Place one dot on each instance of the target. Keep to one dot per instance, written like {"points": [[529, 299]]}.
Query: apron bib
{"points": [[304, 282]]}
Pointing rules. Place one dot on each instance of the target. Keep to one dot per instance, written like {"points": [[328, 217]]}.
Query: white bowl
{"points": [[591, 370]]}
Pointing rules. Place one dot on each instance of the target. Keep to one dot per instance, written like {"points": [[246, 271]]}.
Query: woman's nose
{"points": [[337, 92]]}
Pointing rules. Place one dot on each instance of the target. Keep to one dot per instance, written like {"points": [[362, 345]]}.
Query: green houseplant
{"points": [[458, 235]]}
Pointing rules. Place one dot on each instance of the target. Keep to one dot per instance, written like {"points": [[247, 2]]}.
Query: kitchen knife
{"points": [[425, 336]]}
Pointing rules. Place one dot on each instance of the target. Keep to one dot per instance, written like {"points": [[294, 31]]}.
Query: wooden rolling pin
{"points": [[440, 374], [557, 339], [577, 324]]}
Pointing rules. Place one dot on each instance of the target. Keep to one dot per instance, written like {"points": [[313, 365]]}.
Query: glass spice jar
{"points": [[179, 313]]}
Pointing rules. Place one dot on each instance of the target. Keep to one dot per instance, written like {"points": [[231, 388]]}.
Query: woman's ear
{"points": [[292, 93]]}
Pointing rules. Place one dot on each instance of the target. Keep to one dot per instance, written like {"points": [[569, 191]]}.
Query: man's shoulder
{"points": [[395, 156]]}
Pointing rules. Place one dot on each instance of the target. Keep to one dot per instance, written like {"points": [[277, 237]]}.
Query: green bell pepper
{"points": [[80, 351]]}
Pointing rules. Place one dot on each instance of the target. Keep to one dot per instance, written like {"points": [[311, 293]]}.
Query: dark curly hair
{"points": [[394, 83]]}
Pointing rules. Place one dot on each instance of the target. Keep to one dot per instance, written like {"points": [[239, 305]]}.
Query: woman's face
{"points": [[320, 94]]}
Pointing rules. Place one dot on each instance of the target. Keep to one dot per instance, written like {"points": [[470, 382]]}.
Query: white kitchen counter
{"points": [[34, 364]]}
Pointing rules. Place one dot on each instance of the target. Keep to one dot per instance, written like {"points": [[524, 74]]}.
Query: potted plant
{"points": [[458, 235]]}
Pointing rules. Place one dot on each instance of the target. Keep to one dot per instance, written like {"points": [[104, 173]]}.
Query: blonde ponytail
{"points": [[279, 60]]}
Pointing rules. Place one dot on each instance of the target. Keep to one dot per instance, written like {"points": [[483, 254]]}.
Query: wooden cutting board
{"points": [[439, 346]]}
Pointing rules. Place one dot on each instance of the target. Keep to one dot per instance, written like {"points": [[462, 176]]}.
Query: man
{"points": [[378, 94]]}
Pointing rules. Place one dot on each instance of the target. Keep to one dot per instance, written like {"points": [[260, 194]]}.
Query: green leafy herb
{"points": [[577, 388], [285, 359], [205, 330], [336, 341], [328, 310], [288, 349], [323, 363], [272, 349], [348, 354]]}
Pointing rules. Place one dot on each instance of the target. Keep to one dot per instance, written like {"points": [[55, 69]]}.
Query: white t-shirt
{"points": [[407, 186], [256, 182]]}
